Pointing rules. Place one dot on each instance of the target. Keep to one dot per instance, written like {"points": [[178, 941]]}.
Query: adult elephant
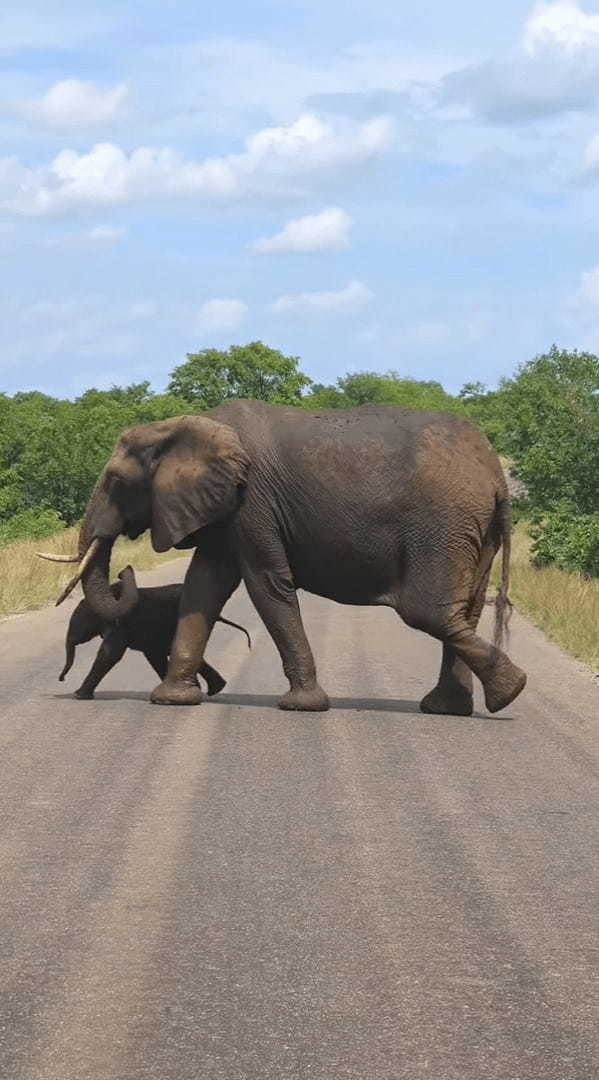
{"points": [[373, 506]]}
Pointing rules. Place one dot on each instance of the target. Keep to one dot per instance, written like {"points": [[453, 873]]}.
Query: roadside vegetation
{"points": [[27, 582], [565, 605], [544, 420]]}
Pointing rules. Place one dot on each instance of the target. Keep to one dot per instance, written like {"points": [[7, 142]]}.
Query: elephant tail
{"points": [[503, 604], [236, 626]]}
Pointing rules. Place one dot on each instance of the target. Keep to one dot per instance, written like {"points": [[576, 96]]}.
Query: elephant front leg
{"points": [[209, 583], [275, 598]]}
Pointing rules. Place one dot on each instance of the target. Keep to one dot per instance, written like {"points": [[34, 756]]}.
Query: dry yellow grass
{"points": [[28, 582], [562, 604]]}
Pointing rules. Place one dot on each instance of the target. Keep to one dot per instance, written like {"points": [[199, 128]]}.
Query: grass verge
{"points": [[27, 582], [562, 604]]}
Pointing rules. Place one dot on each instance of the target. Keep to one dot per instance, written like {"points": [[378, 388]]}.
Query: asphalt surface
{"points": [[235, 893]]}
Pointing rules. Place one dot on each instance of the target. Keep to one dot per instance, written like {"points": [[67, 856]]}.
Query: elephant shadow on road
{"points": [[270, 701], [379, 705]]}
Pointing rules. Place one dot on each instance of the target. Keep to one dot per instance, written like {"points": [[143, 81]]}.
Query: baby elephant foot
{"points": [[177, 693], [215, 684], [313, 699], [456, 701], [504, 684], [84, 695]]}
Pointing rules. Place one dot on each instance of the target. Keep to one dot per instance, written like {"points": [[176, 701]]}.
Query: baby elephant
{"points": [[150, 629]]}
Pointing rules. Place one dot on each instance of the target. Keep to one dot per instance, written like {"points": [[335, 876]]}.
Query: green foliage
{"points": [[546, 419], [31, 524], [368, 387], [570, 541], [51, 451], [244, 371]]}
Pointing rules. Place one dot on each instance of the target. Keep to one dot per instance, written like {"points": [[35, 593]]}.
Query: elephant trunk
{"points": [[101, 526]]}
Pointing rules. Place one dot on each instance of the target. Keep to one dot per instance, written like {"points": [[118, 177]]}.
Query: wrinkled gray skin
{"points": [[372, 506], [149, 628]]}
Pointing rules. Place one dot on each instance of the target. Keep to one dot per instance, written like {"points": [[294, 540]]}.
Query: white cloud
{"points": [[221, 315], [554, 68], [43, 29], [106, 234], [462, 329], [355, 295], [73, 106], [580, 311], [563, 24], [586, 299], [143, 309], [275, 159], [433, 333], [327, 231], [263, 77], [590, 164]]}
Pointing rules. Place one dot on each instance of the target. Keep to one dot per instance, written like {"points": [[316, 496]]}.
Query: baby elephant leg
{"points": [[110, 652]]}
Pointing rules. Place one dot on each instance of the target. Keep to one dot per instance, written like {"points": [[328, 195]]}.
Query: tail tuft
{"points": [[503, 604], [503, 614]]}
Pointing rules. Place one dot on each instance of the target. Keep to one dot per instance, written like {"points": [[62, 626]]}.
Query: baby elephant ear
{"points": [[200, 470]]}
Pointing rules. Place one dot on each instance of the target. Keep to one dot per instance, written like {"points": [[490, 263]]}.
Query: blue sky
{"points": [[364, 185]]}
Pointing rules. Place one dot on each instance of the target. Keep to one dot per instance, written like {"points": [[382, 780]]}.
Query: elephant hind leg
{"points": [[502, 680], [464, 651], [452, 696], [453, 693]]}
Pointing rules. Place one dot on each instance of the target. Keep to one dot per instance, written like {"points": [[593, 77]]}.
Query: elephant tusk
{"points": [[56, 558], [87, 558]]}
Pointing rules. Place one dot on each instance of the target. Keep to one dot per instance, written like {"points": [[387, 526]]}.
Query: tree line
{"points": [[545, 419]]}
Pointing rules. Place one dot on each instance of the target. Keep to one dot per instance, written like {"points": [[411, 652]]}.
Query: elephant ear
{"points": [[199, 471]]}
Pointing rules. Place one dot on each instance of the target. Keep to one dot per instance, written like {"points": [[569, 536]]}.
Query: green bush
{"points": [[372, 388], [567, 539], [31, 524], [255, 371], [546, 419]]}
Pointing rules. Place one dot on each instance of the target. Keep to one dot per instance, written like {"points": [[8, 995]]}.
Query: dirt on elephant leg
{"points": [[503, 684], [502, 680], [182, 692], [313, 699], [452, 696], [456, 701]]}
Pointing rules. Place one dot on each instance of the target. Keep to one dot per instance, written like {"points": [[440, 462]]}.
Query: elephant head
{"points": [[174, 477]]}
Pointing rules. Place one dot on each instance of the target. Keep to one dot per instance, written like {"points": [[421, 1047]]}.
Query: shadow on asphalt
{"points": [[385, 705], [270, 701]]}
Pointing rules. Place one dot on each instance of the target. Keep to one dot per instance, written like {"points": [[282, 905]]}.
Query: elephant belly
{"points": [[362, 575]]}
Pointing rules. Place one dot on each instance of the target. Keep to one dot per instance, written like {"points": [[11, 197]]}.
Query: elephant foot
{"points": [[456, 701], [177, 693], [215, 684], [503, 685], [313, 699], [84, 695]]}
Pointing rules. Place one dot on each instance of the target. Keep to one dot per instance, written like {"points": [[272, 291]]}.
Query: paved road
{"points": [[234, 893]]}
